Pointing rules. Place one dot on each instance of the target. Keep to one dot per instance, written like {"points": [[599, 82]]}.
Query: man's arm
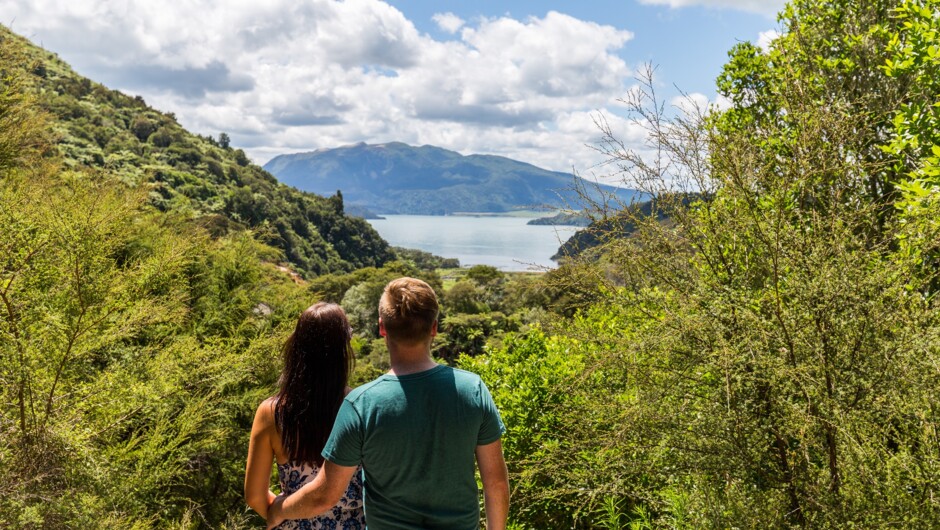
{"points": [[313, 498], [495, 479]]}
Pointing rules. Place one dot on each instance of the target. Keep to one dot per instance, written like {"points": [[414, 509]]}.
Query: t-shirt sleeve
{"points": [[344, 447], [491, 428]]}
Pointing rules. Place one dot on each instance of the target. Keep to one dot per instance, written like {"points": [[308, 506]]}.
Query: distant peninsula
{"points": [[396, 178], [563, 219]]}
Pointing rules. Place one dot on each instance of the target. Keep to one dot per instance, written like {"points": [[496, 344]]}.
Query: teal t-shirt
{"points": [[415, 436]]}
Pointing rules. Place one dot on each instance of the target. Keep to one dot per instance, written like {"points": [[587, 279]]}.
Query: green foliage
{"points": [[528, 377], [490, 285], [133, 355], [465, 297], [524, 292], [836, 55], [143, 128], [425, 260], [361, 303], [377, 357], [133, 347], [914, 59], [21, 125], [769, 355], [484, 274], [102, 343], [465, 334]]}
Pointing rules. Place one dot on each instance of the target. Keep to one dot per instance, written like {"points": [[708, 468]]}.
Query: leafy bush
{"points": [[468, 334], [528, 378]]}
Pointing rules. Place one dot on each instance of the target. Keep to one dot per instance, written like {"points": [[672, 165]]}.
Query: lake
{"points": [[506, 243]]}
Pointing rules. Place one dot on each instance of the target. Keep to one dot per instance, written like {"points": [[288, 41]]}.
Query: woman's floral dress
{"points": [[346, 515]]}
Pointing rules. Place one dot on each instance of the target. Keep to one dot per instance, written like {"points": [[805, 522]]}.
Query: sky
{"points": [[524, 79]]}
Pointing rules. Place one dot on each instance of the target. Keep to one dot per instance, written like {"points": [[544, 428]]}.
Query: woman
{"points": [[293, 425]]}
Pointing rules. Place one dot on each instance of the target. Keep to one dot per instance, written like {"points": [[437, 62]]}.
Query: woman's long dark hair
{"points": [[317, 362]]}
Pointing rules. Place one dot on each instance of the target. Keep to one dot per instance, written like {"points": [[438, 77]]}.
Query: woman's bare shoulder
{"points": [[265, 412]]}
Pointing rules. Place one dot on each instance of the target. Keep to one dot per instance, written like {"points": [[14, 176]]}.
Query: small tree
{"points": [[142, 128], [241, 158]]}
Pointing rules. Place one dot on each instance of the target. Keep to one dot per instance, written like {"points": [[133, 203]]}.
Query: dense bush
{"points": [[767, 358], [134, 343], [133, 352]]}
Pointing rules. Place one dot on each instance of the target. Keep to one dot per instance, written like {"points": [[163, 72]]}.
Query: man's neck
{"points": [[406, 360]]}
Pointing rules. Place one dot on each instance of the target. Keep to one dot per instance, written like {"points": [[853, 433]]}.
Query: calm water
{"points": [[506, 243]]}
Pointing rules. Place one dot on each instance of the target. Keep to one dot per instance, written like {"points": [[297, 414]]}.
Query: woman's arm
{"points": [[315, 497], [258, 492]]}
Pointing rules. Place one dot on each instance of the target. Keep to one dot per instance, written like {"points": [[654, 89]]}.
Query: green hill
{"points": [[399, 178], [620, 224], [189, 174]]}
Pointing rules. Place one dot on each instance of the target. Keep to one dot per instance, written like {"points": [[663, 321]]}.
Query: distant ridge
{"points": [[397, 178]]}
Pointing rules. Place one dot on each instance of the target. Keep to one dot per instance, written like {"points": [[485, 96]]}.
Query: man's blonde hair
{"points": [[408, 309]]}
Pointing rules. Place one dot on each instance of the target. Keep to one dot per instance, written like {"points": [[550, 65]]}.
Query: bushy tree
{"points": [[361, 303], [465, 297], [768, 351], [914, 59], [468, 334], [133, 348], [143, 128]]}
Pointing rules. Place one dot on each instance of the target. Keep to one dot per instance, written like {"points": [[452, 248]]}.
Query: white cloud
{"points": [[722, 103], [448, 22], [691, 104], [283, 76], [766, 37], [764, 7]]}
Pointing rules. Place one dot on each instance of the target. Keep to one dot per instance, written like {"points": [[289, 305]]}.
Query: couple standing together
{"points": [[403, 446]]}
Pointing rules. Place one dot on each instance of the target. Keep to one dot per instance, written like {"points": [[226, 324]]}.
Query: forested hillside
{"points": [[199, 177], [607, 224]]}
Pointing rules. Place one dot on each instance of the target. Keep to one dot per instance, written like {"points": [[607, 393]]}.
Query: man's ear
{"points": [[434, 329], [382, 331]]}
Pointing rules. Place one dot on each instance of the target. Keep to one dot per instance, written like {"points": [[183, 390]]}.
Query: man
{"points": [[416, 432]]}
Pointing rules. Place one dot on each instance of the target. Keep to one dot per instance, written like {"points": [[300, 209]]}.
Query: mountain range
{"points": [[397, 178]]}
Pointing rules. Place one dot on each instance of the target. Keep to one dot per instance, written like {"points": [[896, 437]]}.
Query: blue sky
{"points": [[522, 79]]}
